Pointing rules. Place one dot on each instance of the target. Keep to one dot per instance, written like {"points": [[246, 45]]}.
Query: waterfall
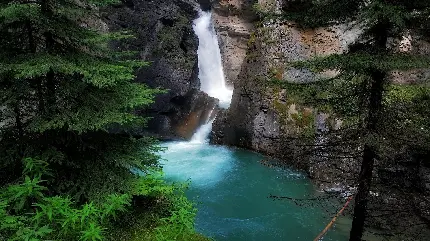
{"points": [[202, 134], [211, 74]]}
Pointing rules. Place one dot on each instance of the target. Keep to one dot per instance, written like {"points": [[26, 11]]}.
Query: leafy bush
{"points": [[179, 224], [28, 213]]}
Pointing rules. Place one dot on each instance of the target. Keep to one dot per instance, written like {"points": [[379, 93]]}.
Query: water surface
{"points": [[232, 192]]}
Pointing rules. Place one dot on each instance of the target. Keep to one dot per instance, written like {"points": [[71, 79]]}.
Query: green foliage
{"points": [[180, 223], [59, 218], [92, 233], [152, 185], [382, 120], [53, 217], [170, 214], [115, 203], [348, 94], [22, 194], [61, 94], [401, 14], [35, 167], [70, 101], [407, 118], [361, 62], [82, 85], [336, 95]]}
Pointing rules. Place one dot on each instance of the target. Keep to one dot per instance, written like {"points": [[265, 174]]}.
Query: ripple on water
{"points": [[232, 189]]}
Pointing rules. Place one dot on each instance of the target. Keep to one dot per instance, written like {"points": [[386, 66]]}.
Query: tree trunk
{"points": [[39, 81], [374, 108], [368, 157], [31, 43], [362, 198], [51, 93]]}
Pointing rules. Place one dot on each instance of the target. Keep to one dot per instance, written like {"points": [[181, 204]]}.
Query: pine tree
{"points": [[62, 92], [68, 163], [378, 116]]}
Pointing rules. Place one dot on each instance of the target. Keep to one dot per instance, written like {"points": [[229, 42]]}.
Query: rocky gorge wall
{"points": [[261, 117], [165, 39]]}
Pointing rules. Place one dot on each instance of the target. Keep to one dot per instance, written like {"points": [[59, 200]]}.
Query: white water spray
{"points": [[211, 74], [201, 135]]}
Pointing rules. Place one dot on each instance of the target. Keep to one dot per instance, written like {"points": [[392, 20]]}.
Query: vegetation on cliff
{"points": [[382, 120], [68, 167]]}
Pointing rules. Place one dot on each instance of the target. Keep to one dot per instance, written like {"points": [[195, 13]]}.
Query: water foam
{"points": [[202, 134], [211, 74], [197, 160], [203, 164]]}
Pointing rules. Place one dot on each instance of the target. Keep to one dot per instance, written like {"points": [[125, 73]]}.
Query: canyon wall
{"points": [[264, 117], [261, 116], [165, 39]]}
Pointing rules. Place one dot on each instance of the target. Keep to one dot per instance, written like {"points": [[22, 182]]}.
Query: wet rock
{"points": [[261, 116], [165, 39], [233, 23]]}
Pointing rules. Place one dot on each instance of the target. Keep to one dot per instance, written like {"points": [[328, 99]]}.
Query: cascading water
{"points": [[211, 74], [230, 185], [201, 135]]}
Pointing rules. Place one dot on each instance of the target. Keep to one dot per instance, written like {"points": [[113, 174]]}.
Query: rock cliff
{"points": [[165, 39], [261, 117], [264, 118], [234, 24]]}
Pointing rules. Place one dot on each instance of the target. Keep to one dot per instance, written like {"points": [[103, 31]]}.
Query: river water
{"points": [[231, 187], [232, 190]]}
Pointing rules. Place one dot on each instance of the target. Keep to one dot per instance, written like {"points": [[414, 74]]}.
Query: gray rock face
{"points": [[233, 22], [264, 118], [261, 116], [165, 39]]}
